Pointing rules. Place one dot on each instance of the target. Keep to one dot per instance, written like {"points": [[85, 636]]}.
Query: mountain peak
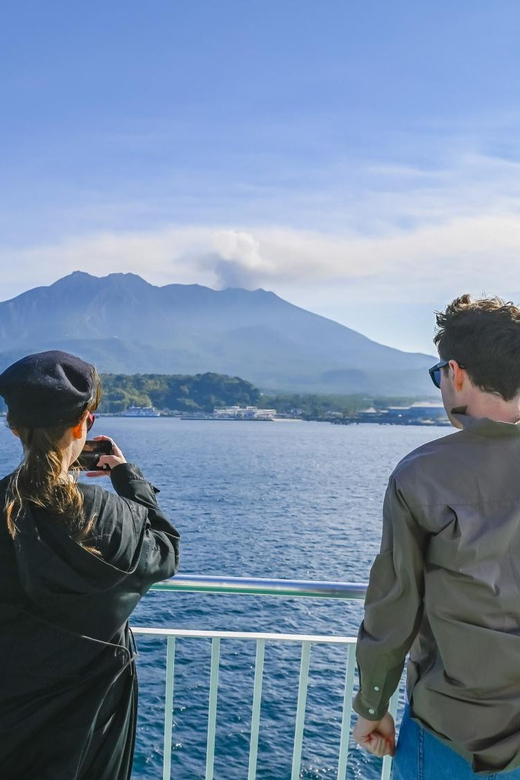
{"points": [[117, 278], [126, 278], [75, 278]]}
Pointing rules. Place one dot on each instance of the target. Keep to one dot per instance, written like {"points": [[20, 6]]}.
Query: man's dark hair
{"points": [[484, 337]]}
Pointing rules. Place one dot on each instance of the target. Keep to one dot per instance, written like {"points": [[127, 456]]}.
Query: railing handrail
{"points": [[255, 586], [190, 633]]}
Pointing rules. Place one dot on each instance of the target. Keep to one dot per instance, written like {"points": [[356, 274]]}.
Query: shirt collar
{"points": [[483, 426]]}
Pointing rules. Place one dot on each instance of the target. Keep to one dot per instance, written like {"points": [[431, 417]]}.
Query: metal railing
{"points": [[248, 586], [194, 583]]}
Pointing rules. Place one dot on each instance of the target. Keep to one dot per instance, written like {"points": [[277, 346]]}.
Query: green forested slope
{"points": [[201, 392]]}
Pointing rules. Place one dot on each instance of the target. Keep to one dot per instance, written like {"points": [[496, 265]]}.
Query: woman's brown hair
{"points": [[38, 479]]}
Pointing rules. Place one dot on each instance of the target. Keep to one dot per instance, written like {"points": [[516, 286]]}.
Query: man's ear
{"points": [[459, 375], [15, 432]]}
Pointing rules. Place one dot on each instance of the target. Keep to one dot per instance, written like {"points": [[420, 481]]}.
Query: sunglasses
{"points": [[90, 421], [435, 372]]}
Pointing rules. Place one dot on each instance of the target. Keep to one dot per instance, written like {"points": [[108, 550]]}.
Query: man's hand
{"points": [[376, 736]]}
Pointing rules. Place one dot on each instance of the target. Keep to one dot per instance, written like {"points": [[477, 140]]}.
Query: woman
{"points": [[74, 562]]}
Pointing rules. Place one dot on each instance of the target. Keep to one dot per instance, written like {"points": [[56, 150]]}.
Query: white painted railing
{"points": [[266, 587]]}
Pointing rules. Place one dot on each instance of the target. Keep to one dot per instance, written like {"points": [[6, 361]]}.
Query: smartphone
{"points": [[91, 453]]}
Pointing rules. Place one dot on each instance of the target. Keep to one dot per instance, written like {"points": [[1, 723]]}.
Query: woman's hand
{"points": [[376, 736], [113, 460]]}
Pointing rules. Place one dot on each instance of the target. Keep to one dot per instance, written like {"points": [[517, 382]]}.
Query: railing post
{"points": [[300, 710], [212, 708], [347, 712], [257, 703], [387, 760], [168, 707]]}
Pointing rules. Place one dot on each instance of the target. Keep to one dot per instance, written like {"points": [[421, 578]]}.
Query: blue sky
{"points": [[360, 159]]}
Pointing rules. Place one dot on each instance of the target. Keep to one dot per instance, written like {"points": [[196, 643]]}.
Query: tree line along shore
{"points": [[180, 393], [173, 393]]}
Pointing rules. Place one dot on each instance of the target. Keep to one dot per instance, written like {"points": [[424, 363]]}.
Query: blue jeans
{"points": [[421, 756]]}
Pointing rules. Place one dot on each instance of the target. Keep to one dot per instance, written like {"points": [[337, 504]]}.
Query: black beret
{"points": [[47, 388]]}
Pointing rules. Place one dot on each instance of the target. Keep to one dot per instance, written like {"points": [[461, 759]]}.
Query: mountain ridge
{"points": [[124, 324]]}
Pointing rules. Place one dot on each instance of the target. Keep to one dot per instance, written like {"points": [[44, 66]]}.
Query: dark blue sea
{"points": [[286, 499]]}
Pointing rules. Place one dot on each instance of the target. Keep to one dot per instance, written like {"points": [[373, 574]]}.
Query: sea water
{"points": [[256, 499]]}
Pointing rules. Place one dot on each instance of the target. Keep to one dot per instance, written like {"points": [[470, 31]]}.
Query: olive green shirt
{"points": [[446, 587]]}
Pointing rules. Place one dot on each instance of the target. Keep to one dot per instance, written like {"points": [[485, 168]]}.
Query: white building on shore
{"points": [[244, 413]]}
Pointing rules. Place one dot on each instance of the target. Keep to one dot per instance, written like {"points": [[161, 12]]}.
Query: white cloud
{"points": [[480, 249], [417, 236]]}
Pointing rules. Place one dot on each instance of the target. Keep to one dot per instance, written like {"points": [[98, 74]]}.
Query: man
{"points": [[446, 584]]}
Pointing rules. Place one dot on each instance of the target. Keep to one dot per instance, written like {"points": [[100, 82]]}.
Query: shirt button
{"points": [[376, 687], [372, 712]]}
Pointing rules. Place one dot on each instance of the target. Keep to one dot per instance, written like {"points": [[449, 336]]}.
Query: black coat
{"points": [[68, 691]]}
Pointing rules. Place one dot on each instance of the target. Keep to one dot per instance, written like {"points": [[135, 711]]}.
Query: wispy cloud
{"points": [[412, 234]]}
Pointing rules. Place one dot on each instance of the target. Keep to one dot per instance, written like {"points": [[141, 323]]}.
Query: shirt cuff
{"points": [[368, 710]]}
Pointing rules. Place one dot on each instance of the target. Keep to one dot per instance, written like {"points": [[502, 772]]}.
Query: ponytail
{"points": [[39, 480]]}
